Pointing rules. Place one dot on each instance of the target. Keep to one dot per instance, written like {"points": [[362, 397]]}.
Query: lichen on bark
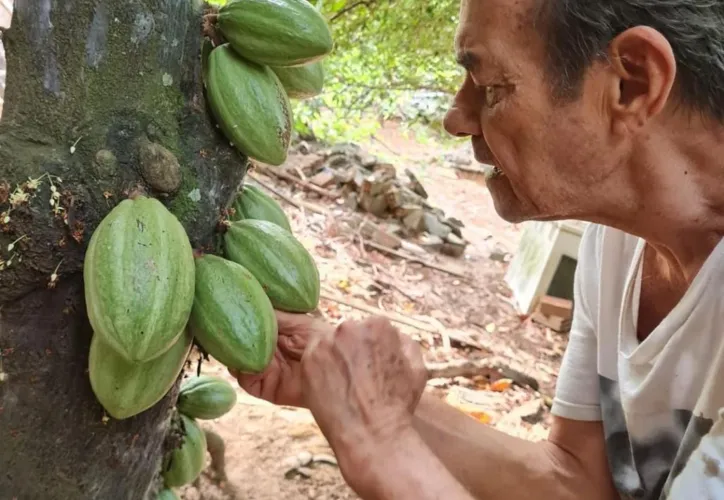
{"points": [[87, 80]]}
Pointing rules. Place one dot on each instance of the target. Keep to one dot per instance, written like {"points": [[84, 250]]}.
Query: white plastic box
{"points": [[537, 264]]}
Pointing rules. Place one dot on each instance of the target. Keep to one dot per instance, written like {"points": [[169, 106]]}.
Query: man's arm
{"points": [[491, 465], [571, 464], [400, 468]]}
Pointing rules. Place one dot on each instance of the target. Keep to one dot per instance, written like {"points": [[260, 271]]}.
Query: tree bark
{"points": [[89, 82]]}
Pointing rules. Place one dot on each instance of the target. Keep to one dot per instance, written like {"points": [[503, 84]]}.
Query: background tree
{"points": [[392, 59], [101, 97]]}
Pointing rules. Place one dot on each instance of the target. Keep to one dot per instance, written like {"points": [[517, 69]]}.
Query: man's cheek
{"points": [[500, 149]]}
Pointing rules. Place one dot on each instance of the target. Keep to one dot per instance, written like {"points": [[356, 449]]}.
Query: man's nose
{"points": [[462, 119], [457, 123]]}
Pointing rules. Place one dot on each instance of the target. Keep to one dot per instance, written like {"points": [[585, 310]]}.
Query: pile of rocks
{"points": [[375, 187]]}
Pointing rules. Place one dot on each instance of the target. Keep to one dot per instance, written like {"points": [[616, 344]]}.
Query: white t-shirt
{"points": [[659, 399]]}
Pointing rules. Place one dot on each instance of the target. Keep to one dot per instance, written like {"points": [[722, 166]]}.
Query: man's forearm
{"points": [[494, 466], [403, 469]]}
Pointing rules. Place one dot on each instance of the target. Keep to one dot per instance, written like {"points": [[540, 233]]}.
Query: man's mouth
{"points": [[491, 171]]}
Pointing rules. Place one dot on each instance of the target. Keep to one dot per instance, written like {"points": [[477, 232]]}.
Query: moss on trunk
{"points": [[89, 82]]}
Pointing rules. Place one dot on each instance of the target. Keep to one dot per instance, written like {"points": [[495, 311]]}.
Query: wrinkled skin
{"points": [[623, 153], [316, 363]]}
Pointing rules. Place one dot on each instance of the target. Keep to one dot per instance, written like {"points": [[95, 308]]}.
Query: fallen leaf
{"points": [[501, 385], [332, 310], [481, 417]]}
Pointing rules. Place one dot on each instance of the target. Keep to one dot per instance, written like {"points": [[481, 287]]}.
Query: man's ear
{"points": [[645, 69]]}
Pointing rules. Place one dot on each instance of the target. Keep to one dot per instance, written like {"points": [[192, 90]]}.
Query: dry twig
{"points": [[412, 258], [304, 184], [302, 205], [480, 367], [404, 320]]}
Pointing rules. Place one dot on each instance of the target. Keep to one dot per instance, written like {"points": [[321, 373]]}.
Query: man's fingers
{"points": [[294, 332], [292, 322], [250, 383], [302, 324], [292, 346], [412, 351], [261, 385]]}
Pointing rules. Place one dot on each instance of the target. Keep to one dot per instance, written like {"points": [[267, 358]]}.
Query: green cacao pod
{"points": [[139, 279], [232, 317], [186, 463], [167, 494], [250, 105], [276, 32], [205, 397], [278, 261], [126, 389], [301, 82], [253, 203]]}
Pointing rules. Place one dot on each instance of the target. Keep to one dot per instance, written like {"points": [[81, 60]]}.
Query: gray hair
{"points": [[578, 33]]}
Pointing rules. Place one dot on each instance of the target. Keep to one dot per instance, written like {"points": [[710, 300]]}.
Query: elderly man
{"points": [[611, 112]]}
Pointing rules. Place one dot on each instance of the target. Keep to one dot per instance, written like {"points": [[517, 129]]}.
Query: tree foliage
{"points": [[392, 58]]}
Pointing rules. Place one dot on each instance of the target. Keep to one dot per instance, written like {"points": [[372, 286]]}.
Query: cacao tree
{"points": [[102, 98]]}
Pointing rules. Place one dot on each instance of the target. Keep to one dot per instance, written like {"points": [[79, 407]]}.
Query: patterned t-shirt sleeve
{"points": [[577, 390]]}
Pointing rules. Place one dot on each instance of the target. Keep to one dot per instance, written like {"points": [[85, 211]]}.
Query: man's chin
{"points": [[507, 205], [513, 212]]}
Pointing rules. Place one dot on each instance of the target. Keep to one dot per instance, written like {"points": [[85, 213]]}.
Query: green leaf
{"points": [[392, 59]]}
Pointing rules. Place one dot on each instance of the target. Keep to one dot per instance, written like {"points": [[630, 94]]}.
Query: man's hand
{"points": [[281, 382], [362, 383]]}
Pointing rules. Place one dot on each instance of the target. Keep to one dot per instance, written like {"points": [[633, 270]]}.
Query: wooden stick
{"points": [[459, 368], [471, 368], [392, 316], [306, 185], [404, 320], [374, 137], [299, 204], [412, 258]]}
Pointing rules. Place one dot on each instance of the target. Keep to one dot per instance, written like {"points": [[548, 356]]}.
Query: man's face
{"points": [[552, 156]]}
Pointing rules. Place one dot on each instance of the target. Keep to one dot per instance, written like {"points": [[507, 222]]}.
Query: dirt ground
{"points": [[263, 441]]}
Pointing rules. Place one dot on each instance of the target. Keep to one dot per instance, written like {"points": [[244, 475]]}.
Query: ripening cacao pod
{"points": [[253, 203], [206, 397], [275, 32], [167, 494], [139, 279], [126, 389], [301, 82], [186, 463], [250, 105], [232, 317], [285, 269]]}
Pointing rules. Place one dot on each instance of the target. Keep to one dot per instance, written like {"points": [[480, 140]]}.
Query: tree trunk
{"points": [[90, 83]]}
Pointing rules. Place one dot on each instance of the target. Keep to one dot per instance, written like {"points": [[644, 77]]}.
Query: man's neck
{"points": [[676, 198]]}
